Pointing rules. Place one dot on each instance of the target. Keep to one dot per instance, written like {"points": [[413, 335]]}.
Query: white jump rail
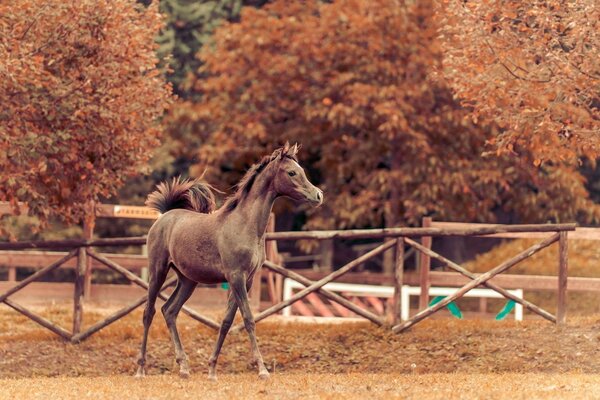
{"points": [[388, 291], [408, 291]]}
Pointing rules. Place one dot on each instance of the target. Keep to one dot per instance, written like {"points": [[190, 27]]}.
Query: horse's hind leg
{"points": [[225, 325], [158, 275], [170, 310]]}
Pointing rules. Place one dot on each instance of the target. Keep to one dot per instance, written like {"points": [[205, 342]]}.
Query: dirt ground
{"points": [[436, 359], [311, 386]]}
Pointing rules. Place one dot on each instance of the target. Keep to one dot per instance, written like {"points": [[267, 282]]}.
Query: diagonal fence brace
{"points": [[530, 306], [37, 275], [39, 319], [326, 293], [118, 314], [322, 282], [481, 279], [138, 281]]}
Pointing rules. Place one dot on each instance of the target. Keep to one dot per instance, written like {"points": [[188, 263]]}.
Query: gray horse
{"points": [[226, 245]]}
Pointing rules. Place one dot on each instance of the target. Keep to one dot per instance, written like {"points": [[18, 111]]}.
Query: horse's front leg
{"points": [[239, 288], [225, 325]]}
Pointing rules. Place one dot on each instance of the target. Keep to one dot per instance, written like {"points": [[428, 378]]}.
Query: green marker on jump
{"points": [[452, 307]]}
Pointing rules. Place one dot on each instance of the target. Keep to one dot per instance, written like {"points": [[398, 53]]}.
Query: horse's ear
{"points": [[294, 150], [285, 149]]}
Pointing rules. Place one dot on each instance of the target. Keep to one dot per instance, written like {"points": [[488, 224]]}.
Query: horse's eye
{"points": [[292, 173]]}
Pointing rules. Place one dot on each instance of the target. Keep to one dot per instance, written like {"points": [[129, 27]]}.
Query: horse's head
{"points": [[290, 179]]}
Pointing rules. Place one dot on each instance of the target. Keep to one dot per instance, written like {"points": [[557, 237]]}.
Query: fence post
{"points": [[326, 252], [398, 280], [78, 291], [274, 281], [563, 273], [424, 267], [88, 233], [12, 273]]}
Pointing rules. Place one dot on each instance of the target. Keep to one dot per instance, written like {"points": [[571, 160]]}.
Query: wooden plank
{"points": [[417, 232], [71, 243], [580, 233], [345, 234], [474, 283], [302, 309], [121, 211], [424, 267], [318, 305], [39, 259], [563, 269], [78, 291], [398, 280], [109, 320], [39, 319], [88, 234], [376, 303], [341, 310], [43, 293]]}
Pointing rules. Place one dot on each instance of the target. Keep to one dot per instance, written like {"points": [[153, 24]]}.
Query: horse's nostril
{"points": [[319, 196]]}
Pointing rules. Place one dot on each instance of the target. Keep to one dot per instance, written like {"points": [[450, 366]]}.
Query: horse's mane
{"points": [[245, 184]]}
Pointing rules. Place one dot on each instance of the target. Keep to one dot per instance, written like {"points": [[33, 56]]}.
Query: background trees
{"points": [[533, 68], [81, 97], [357, 82], [405, 109]]}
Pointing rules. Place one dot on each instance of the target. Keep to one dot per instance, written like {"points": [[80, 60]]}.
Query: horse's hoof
{"points": [[212, 377], [184, 374], [263, 375], [140, 373]]}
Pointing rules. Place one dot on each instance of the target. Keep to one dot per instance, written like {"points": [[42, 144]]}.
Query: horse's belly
{"points": [[204, 275], [200, 266]]}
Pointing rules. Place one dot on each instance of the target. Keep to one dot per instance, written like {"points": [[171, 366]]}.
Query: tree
{"points": [[189, 25], [357, 83], [81, 100], [533, 68]]}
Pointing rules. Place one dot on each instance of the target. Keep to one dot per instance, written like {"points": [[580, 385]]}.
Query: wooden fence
{"points": [[398, 238], [395, 239], [82, 250]]}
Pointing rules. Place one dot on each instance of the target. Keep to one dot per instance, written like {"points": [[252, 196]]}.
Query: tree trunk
{"points": [[392, 216]]}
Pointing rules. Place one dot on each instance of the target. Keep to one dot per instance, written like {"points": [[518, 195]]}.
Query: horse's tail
{"points": [[188, 194]]}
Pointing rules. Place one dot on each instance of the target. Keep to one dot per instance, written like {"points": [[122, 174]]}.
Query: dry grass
{"points": [[311, 386], [433, 346], [442, 358]]}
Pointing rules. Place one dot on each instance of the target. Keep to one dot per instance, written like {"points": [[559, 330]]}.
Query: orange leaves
{"points": [[522, 64], [83, 86]]}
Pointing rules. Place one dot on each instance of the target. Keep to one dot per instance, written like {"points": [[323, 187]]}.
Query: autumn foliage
{"points": [[81, 96], [358, 83], [533, 67]]}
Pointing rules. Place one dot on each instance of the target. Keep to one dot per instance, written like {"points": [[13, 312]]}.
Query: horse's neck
{"points": [[255, 209]]}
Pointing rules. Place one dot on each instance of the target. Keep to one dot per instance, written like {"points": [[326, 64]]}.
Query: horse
{"points": [[203, 244]]}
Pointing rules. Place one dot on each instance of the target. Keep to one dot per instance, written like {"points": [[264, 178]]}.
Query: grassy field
{"points": [[442, 358], [310, 386]]}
